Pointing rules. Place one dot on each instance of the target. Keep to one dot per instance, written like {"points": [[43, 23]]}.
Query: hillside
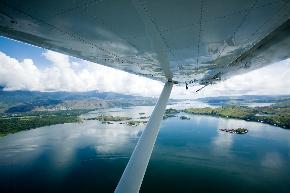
{"points": [[273, 114], [26, 101], [244, 99]]}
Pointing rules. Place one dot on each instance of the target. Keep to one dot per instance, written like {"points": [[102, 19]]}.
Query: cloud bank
{"points": [[65, 74], [69, 74]]}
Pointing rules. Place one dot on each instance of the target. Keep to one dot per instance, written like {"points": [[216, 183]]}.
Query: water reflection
{"points": [[65, 138], [272, 160], [69, 156]]}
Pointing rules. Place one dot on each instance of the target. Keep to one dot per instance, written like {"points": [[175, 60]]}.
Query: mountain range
{"points": [[25, 101]]}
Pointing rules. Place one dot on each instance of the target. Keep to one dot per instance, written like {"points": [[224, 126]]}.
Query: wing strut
{"points": [[133, 174]]}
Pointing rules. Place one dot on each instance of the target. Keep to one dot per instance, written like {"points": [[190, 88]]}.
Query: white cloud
{"points": [[18, 75], [68, 74]]}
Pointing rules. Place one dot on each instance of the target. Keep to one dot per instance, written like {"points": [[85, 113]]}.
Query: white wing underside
{"points": [[197, 42]]}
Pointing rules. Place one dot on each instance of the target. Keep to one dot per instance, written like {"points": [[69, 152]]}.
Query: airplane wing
{"points": [[183, 41], [198, 42]]}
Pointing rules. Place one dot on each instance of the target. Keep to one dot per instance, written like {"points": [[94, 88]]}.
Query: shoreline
{"points": [[273, 120]]}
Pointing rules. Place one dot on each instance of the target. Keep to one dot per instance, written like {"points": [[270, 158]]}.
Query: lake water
{"points": [[189, 156]]}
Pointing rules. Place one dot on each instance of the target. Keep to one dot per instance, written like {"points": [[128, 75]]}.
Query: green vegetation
{"points": [[107, 122], [283, 104], [12, 123], [170, 113], [241, 130], [107, 118], [227, 111], [272, 115], [135, 123], [237, 131], [202, 111], [184, 118]]}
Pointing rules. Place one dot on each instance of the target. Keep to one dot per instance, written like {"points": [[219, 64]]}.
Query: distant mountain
{"points": [[25, 107], [18, 95], [239, 100], [25, 101]]}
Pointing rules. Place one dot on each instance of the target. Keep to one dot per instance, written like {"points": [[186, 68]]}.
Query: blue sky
{"points": [[26, 67], [20, 51]]}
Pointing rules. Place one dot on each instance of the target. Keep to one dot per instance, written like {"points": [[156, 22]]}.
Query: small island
{"points": [[170, 113], [184, 118], [108, 118], [236, 131], [136, 123]]}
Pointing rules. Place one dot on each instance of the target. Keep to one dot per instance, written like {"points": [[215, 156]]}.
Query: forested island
{"points": [[12, 123], [105, 118], [276, 114]]}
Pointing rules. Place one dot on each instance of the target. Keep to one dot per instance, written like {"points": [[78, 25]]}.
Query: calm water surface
{"points": [[189, 156]]}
